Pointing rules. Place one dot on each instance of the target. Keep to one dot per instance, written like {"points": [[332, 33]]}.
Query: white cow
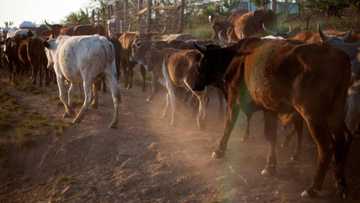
{"points": [[81, 59]]}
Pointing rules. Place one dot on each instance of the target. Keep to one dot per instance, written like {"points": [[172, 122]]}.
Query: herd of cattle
{"points": [[304, 78]]}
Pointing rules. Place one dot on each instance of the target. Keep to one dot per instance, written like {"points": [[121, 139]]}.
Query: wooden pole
{"points": [[126, 14], [182, 18], [149, 23], [140, 7]]}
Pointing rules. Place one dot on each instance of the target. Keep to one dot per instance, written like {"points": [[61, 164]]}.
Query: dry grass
{"points": [[21, 125]]}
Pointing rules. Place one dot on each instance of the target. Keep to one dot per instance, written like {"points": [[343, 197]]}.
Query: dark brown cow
{"points": [[237, 26], [16, 54], [284, 78], [38, 61], [27, 50]]}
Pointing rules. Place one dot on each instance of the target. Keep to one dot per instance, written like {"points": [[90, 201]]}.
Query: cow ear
{"points": [[347, 36], [323, 37], [199, 47]]}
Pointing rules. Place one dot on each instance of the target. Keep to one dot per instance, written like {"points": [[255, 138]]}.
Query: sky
{"points": [[38, 10]]}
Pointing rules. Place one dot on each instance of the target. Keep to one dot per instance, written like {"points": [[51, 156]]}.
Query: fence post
{"points": [[181, 18], [149, 7]]}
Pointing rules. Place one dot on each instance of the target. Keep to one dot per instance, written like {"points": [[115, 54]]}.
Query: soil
{"points": [[146, 160]]}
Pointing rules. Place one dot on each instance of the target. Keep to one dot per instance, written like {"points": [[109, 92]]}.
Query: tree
{"points": [[77, 18], [261, 3], [329, 7]]}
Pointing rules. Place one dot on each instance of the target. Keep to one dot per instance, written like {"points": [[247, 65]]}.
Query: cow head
{"points": [[334, 40], [55, 28], [139, 50], [212, 66], [215, 61], [278, 33], [51, 47]]}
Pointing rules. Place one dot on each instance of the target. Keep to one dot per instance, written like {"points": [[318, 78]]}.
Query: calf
{"points": [[81, 59]]}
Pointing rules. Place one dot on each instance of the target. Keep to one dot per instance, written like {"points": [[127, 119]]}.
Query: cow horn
{"points": [[289, 29], [322, 34], [199, 47], [164, 30], [347, 35], [211, 18], [129, 27], [137, 43], [268, 31], [48, 25]]}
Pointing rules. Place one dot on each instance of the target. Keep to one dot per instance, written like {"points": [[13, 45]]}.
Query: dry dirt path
{"points": [[145, 160]]}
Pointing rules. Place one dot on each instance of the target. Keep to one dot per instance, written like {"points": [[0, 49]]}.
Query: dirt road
{"points": [[146, 160]]}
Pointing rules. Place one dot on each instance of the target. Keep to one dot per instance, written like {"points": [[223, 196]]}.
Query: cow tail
{"points": [[165, 70], [111, 59]]}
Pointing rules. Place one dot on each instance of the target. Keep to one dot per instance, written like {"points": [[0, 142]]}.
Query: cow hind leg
{"points": [[172, 99], [88, 97], [116, 97], [200, 118], [341, 145], [34, 74], [321, 135], [245, 137], [163, 115], [270, 128], [40, 76], [94, 100], [62, 90], [71, 88], [143, 75], [298, 124], [154, 86], [231, 116]]}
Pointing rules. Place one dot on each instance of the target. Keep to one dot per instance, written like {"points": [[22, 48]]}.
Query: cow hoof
{"points": [[343, 195], [244, 139], [112, 125], [148, 100], [342, 192], [310, 193], [94, 106], [201, 126], [294, 158], [66, 115], [268, 171], [218, 154]]}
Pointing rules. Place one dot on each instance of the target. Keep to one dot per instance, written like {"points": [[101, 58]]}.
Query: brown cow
{"points": [[237, 26], [284, 78], [176, 67]]}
